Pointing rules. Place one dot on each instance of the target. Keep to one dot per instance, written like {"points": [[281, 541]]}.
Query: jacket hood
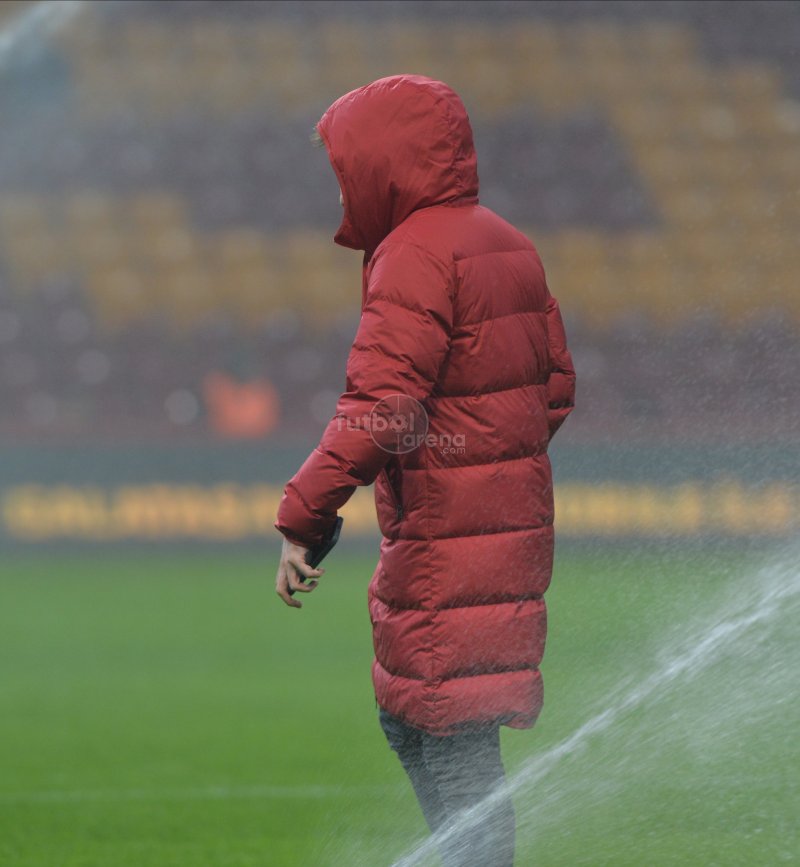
{"points": [[398, 144]]}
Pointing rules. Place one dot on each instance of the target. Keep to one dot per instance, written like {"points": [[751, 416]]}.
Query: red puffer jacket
{"points": [[456, 315]]}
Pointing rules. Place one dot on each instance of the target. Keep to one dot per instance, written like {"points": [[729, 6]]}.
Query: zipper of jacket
{"points": [[398, 507]]}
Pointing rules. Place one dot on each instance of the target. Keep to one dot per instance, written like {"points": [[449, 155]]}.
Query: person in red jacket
{"points": [[458, 377]]}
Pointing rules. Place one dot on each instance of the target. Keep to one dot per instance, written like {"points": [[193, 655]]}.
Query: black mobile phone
{"points": [[315, 555]]}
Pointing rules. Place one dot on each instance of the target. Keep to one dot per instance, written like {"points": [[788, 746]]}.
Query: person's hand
{"points": [[293, 560]]}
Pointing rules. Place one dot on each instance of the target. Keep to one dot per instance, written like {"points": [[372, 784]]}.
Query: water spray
{"points": [[774, 592], [26, 31]]}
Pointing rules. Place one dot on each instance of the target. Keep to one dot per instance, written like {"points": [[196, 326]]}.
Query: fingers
{"points": [[288, 581], [282, 589], [308, 572]]}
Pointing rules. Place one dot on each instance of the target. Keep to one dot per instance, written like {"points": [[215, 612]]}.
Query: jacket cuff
{"points": [[291, 537], [298, 522]]}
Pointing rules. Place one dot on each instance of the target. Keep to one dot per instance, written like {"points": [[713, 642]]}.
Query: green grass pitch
{"points": [[168, 710]]}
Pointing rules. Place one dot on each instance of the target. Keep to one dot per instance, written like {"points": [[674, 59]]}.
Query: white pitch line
{"points": [[204, 793]]}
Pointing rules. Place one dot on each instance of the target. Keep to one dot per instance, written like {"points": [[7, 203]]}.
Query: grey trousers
{"points": [[452, 773]]}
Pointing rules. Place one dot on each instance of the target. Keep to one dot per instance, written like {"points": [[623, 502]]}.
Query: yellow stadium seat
{"points": [[345, 55], [694, 208], [664, 44], [750, 205], [32, 259], [761, 124], [93, 249], [118, 295], [271, 45], [216, 65], [698, 249], [687, 81], [778, 160], [242, 246], [781, 287], [94, 232], [24, 226], [155, 211], [665, 166], [644, 123], [664, 292], [247, 274], [251, 294], [220, 86], [216, 40], [751, 83], [90, 210], [480, 71], [786, 209], [322, 280], [149, 40], [726, 165], [183, 294], [414, 48], [599, 40]]}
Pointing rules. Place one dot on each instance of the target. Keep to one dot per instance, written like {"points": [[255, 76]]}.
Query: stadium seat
{"points": [[653, 156], [32, 249]]}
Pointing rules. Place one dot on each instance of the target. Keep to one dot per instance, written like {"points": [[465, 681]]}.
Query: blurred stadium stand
{"points": [[164, 221]]}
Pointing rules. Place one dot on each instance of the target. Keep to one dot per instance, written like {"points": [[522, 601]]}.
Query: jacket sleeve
{"points": [[401, 342], [561, 384]]}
